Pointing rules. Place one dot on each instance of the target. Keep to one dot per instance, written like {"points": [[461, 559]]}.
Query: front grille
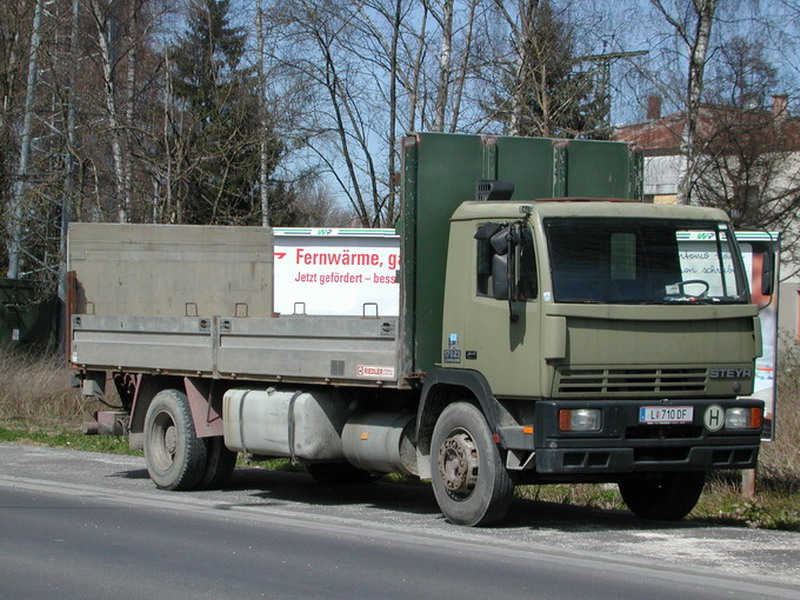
{"points": [[629, 382]]}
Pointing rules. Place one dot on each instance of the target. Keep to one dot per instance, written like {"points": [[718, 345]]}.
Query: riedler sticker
{"points": [[374, 372]]}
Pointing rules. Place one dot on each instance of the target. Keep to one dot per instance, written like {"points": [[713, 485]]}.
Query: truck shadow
{"points": [[253, 487], [269, 487], [415, 498]]}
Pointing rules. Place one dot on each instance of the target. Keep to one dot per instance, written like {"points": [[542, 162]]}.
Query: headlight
{"points": [[579, 419], [742, 418]]}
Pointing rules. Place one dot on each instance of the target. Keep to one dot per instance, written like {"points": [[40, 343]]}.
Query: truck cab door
{"points": [[492, 310]]}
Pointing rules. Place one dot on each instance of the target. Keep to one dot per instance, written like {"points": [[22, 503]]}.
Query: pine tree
{"points": [[545, 92], [219, 120]]}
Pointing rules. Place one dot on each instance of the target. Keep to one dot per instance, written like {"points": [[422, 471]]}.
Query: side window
{"points": [[502, 247], [485, 255]]}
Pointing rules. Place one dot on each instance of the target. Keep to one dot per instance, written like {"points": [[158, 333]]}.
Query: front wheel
{"points": [[663, 496], [470, 482], [176, 457]]}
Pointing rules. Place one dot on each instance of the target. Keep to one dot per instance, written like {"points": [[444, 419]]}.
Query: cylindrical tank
{"points": [[300, 424], [380, 442]]}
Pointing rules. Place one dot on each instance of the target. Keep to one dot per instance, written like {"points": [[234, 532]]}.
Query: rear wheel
{"points": [[220, 463], [663, 496], [470, 482], [176, 457]]}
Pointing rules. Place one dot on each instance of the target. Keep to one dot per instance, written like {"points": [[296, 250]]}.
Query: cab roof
{"points": [[583, 207]]}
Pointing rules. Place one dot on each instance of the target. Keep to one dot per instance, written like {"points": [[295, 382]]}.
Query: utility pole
{"points": [[604, 80]]}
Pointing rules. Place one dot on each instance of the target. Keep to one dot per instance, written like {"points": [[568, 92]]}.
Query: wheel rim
{"points": [[166, 435], [458, 464]]}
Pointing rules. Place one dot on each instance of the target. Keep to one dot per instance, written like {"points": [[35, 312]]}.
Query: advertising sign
{"points": [[346, 272], [755, 245], [699, 261]]}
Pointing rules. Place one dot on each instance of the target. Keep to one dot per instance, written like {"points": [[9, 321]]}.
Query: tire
{"points": [[663, 496], [220, 463], [176, 457], [339, 473], [470, 482]]}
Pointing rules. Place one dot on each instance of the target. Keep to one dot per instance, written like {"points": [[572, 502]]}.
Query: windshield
{"points": [[643, 261]]}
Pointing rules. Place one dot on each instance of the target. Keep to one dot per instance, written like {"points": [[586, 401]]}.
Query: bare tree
{"points": [[748, 152], [442, 12], [692, 21], [17, 211], [314, 36], [68, 197], [15, 22], [316, 206], [263, 169], [103, 17]]}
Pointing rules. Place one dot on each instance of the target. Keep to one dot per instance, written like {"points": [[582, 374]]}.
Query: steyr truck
{"points": [[552, 328]]}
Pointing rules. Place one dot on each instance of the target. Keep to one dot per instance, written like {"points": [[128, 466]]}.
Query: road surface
{"points": [[78, 525]]}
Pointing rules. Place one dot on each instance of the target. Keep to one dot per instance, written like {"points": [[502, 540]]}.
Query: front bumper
{"points": [[623, 445]]}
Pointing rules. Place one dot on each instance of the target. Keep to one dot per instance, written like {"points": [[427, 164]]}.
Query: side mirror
{"points": [[500, 241], [500, 278], [504, 244], [768, 272]]}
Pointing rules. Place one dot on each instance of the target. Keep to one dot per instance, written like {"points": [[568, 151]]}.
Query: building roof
{"points": [[717, 125]]}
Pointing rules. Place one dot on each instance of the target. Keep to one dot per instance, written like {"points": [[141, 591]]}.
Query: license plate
{"points": [[666, 414]]}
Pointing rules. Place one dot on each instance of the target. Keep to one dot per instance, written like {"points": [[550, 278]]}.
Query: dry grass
{"points": [[779, 463], [35, 391]]}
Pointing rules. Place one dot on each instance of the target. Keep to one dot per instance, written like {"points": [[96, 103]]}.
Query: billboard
{"points": [[328, 271]]}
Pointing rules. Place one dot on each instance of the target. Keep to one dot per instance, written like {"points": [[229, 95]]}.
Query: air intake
{"points": [[625, 382], [493, 190]]}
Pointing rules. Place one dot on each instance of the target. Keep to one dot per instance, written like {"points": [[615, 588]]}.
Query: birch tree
{"points": [[16, 211], [104, 19], [692, 22]]}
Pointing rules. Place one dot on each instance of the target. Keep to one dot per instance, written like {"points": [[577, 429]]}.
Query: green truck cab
{"points": [[602, 339]]}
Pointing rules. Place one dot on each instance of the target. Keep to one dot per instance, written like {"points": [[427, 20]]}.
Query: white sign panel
{"points": [[699, 261], [752, 245], [322, 271]]}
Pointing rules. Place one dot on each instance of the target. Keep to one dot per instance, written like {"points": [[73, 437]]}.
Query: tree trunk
{"points": [[114, 124], [18, 196], [67, 199], [393, 75], [413, 92], [697, 42], [262, 110], [445, 60], [462, 73]]}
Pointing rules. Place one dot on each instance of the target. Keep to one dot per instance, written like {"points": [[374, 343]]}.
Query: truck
{"points": [[551, 328]]}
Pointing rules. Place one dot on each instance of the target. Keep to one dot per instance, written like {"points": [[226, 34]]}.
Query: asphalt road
{"points": [[77, 525]]}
